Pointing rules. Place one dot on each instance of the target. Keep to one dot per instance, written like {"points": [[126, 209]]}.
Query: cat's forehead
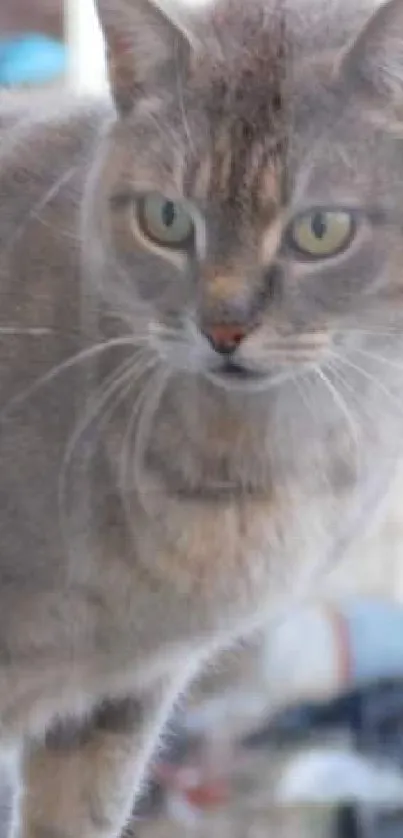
{"points": [[245, 149], [239, 155], [250, 133], [252, 113]]}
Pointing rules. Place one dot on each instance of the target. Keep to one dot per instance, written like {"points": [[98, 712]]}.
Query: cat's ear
{"points": [[375, 60], [145, 39]]}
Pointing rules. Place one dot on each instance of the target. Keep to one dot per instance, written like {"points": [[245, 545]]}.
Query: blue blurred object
{"points": [[31, 59]]}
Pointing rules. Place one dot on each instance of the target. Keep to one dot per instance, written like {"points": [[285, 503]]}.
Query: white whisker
{"points": [[299, 384], [147, 414], [340, 402], [35, 331], [94, 409], [126, 452], [374, 332], [35, 211], [181, 101], [162, 330], [336, 372], [84, 355], [371, 379], [113, 388], [374, 356]]}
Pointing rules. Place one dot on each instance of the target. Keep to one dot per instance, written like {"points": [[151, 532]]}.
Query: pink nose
{"points": [[225, 337]]}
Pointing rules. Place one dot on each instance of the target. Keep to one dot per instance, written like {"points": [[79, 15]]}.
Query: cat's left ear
{"points": [[146, 40], [374, 63]]}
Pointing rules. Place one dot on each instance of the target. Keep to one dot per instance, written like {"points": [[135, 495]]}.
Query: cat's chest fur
{"points": [[218, 518]]}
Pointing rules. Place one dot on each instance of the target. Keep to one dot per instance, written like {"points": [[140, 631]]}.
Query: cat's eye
{"points": [[319, 234], [167, 223]]}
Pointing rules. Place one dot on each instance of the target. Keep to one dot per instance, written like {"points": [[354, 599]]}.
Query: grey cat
{"points": [[201, 366]]}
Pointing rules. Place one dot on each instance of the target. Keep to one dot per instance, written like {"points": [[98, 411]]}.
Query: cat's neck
{"points": [[206, 442], [211, 443], [222, 446]]}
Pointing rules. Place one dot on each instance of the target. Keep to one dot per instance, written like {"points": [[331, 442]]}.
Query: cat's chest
{"points": [[238, 547]]}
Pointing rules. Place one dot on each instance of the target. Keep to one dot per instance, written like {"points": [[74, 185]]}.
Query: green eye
{"points": [[319, 234], [167, 223]]}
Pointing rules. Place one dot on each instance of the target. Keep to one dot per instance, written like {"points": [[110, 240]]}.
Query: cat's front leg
{"points": [[83, 781]]}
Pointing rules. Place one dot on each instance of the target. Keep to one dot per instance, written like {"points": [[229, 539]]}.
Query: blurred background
{"points": [[301, 732], [51, 42]]}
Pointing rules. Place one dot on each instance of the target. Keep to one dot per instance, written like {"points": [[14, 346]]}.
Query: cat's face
{"points": [[255, 191]]}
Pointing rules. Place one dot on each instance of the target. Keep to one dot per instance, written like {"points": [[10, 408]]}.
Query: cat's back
{"points": [[46, 149], [45, 140], [47, 144]]}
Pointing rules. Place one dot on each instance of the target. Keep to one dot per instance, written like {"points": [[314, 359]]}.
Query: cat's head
{"points": [[251, 189]]}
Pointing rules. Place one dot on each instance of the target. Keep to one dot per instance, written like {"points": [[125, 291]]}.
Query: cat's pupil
{"points": [[168, 213], [319, 225]]}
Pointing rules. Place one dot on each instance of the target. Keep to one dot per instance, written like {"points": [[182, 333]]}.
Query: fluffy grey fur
{"points": [[157, 499]]}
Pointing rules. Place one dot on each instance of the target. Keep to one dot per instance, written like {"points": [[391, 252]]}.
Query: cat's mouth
{"points": [[234, 375], [232, 369]]}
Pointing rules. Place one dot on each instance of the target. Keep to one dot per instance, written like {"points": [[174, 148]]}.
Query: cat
{"points": [[200, 366]]}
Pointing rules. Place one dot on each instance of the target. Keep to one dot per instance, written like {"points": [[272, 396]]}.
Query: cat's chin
{"points": [[237, 378]]}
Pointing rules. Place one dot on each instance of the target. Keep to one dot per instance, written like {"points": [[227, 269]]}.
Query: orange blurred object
{"points": [[208, 795]]}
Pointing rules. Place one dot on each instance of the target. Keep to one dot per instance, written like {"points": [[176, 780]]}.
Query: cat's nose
{"points": [[225, 337]]}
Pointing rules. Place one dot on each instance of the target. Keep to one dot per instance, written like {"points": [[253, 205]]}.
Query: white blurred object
{"points": [[303, 658], [335, 776], [86, 48], [328, 648], [232, 712]]}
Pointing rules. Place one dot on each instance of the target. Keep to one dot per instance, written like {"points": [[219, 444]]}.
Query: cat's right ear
{"points": [[145, 40], [374, 62]]}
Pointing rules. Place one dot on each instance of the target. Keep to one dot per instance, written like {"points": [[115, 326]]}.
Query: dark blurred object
{"points": [[364, 822], [19, 16], [372, 715], [347, 823], [371, 823]]}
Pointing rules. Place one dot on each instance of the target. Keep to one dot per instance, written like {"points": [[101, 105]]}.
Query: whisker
{"points": [[98, 401], [112, 389], [81, 357], [146, 418], [166, 340], [363, 410], [299, 384], [125, 456], [128, 480], [42, 203], [181, 101], [129, 370], [374, 332], [35, 331], [374, 356], [340, 402], [371, 378], [163, 330], [345, 383]]}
